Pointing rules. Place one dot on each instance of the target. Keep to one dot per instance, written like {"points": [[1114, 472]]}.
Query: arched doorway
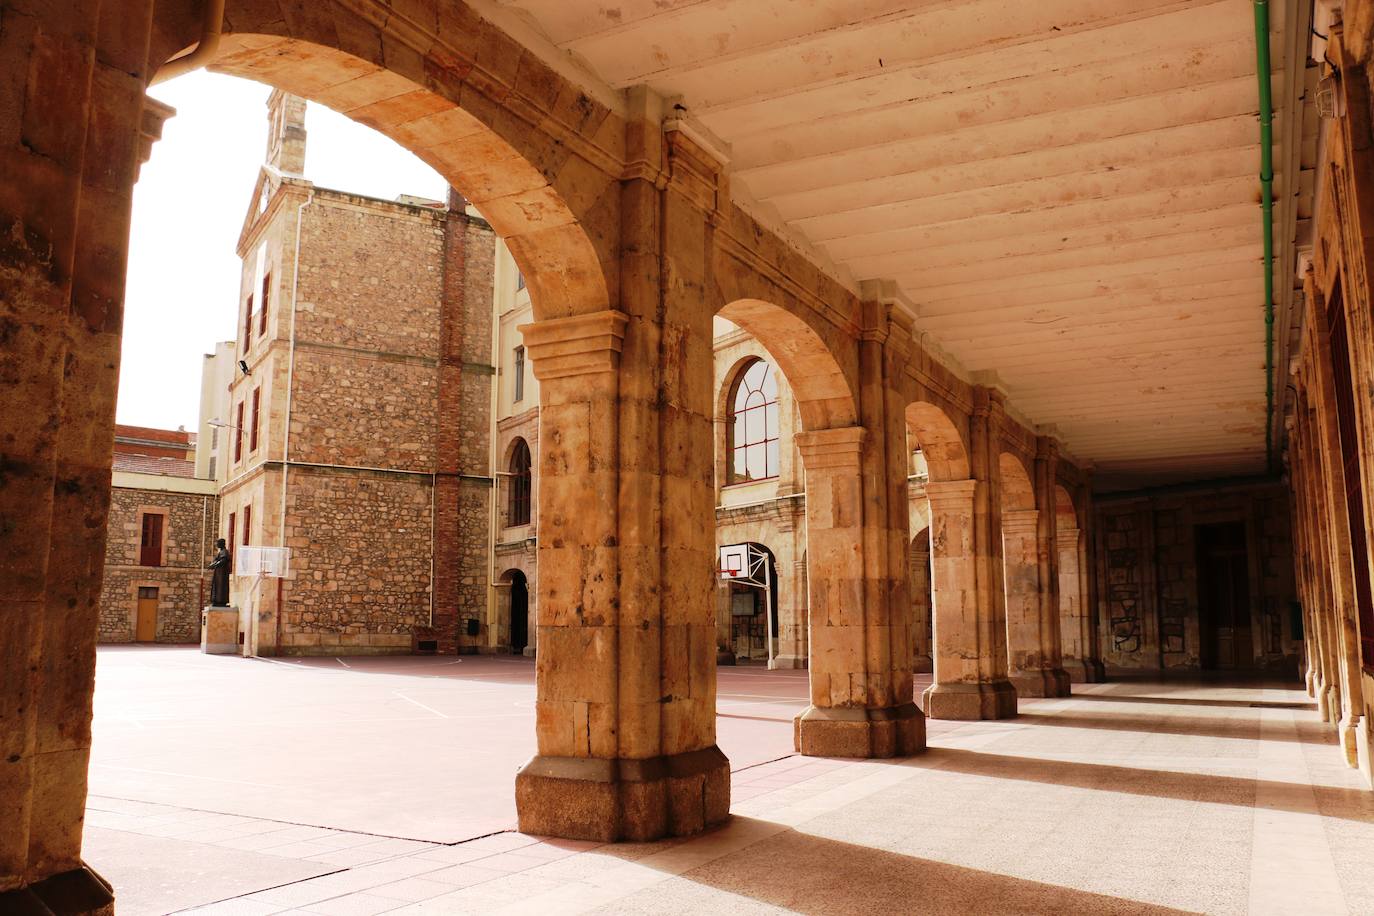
{"points": [[518, 611]]}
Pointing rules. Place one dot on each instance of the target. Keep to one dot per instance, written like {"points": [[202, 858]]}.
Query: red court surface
{"points": [[422, 748]]}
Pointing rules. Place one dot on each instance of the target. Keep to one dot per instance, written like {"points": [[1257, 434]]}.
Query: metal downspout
{"points": [[1266, 120]]}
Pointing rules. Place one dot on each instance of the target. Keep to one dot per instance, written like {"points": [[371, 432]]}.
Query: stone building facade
{"points": [[357, 437], [158, 539]]}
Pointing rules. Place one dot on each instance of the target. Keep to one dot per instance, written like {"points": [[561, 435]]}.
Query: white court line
{"points": [[419, 704], [342, 662]]}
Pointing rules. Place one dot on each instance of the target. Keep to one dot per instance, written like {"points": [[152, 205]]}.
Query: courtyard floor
{"points": [[360, 786]]}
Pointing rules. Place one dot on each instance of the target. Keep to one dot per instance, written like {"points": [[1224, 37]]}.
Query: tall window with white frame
{"points": [[518, 506], [752, 425], [518, 373]]}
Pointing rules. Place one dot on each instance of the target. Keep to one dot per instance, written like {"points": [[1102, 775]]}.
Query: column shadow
{"points": [[1347, 804], [1194, 701], [1191, 726], [804, 873]]}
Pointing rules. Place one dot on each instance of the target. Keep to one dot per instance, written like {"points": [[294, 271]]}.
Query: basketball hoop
{"points": [[263, 562]]}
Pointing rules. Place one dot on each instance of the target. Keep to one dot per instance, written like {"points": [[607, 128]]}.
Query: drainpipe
{"points": [[212, 25], [1266, 120]]}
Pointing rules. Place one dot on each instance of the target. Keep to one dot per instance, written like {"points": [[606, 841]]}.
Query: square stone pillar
{"points": [[625, 675], [966, 563], [1026, 667], [1075, 608], [861, 705], [73, 126], [1035, 662]]}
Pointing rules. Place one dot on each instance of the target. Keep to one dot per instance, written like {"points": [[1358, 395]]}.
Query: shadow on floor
{"points": [[1191, 726], [810, 874], [1348, 804], [1193, 701]]}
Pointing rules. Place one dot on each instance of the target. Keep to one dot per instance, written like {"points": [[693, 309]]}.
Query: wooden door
{"points": [[146, 628], [1223, 567]]}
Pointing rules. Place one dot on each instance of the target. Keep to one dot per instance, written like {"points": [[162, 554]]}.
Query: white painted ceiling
{"points": [[1066, 190]]}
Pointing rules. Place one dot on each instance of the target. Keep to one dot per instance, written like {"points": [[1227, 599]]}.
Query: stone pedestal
{"points": [[219, 631], [620, 799], [970, 701], [79, 892]]}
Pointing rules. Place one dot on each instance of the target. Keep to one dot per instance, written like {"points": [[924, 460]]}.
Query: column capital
{"points": [[945, 492], [1020, 521], [1046, 446], [831, 448], [580, 345]]}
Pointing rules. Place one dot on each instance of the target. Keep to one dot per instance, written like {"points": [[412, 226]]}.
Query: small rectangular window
{"points": [[519, 373], [253, 430], [266, 297], [238, 433], [230, 541], [247, 523], [248, 324], [150, 543]]}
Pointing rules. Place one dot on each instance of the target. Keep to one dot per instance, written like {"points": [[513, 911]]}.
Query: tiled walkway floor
{"points": [[1130, 797]]}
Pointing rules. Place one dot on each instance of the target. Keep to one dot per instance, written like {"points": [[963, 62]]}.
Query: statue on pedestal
{"points": [[219, 583]]}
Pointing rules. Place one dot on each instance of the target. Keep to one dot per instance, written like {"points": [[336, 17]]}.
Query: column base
{"points": [[587, 798], [1329, 704], [1084, 671], [79, 892], [787, 661], [1311, 680], [1041, 682], [890, 731], [1349, 732], [986, 700], [922, 664], [725, 657]]}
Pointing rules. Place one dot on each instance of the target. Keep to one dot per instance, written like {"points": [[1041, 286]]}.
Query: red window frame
{"points": [[247, 523], [238, 433], [518, 508], [150, 539], [266, 296], [248, 324], [253, 430]]}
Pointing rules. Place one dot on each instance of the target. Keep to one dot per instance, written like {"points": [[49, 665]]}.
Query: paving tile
{"points": [[412, 889], [354, 905]]}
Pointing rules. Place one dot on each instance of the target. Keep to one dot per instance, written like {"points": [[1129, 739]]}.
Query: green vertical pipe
{"points": [[1266, 119]]}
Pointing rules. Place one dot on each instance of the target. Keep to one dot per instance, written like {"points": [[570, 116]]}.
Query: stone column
{"points": [[966, 565], [74, 128], [790, 651], [1047, 557], [626, 668], [1075, 618], [857, 706]]}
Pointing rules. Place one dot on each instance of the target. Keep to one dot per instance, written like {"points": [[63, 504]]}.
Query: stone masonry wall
{"points": [[188, 532], [360, 560], [1147, 575]]}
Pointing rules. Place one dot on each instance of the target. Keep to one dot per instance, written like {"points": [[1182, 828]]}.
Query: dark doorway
{"points": [[519, 612], [1223, 588], [751, 623]]}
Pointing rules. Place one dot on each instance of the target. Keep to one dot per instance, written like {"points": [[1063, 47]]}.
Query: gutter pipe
{"points": [[1266, 120]]}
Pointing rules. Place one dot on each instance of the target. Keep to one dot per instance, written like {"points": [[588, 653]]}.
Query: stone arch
{"points": [[416, 89], [1017, 490], [939, 441], [1065, 510], [822, 391]]}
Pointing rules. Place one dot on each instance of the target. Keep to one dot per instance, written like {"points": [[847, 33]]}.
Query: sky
{"points": [[182, 288]]}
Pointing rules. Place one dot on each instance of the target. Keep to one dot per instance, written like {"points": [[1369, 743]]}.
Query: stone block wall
{"points": [[183, 587], [1148, 577], [360, 576]]}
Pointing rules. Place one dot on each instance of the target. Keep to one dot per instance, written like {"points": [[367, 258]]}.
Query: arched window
{"points": [[753, 424], [519, 506]]}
